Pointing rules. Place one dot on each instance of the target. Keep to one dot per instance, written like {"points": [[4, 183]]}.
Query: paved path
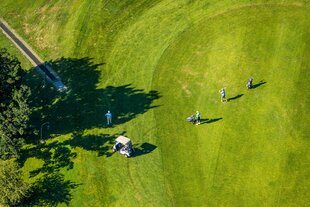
{"points": [[32, 56]]}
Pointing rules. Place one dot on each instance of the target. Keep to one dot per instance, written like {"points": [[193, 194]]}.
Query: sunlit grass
{"points": [[251, 152]]}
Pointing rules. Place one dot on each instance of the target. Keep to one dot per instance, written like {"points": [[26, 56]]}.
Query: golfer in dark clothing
{"points": [[197, 117]]}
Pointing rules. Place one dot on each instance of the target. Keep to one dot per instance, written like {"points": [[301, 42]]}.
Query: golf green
{"points": [[153, 64]]}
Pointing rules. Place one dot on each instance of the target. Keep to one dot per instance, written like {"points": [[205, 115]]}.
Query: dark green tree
{"points": [[14, 110], [13, 189]]}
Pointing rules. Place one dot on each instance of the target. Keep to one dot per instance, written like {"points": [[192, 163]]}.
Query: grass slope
{"points": [[6, 43], [153, 63]]}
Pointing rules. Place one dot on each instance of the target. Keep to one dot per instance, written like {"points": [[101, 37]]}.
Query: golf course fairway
{"points": [[153, 64]]}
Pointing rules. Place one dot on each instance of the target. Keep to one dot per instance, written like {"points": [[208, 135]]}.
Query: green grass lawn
{"points": [[154, 63], [5, 43]]}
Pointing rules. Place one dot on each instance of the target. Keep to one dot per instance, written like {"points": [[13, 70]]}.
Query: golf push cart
{"points": [[191, 119], [123, 146]]}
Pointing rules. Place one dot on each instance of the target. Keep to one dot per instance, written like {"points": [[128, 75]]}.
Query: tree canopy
{"points": [[14, 110], [13, 189]]}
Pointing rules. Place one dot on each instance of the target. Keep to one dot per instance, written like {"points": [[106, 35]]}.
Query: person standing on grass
{"points": [[249, 85], [109, 117], [223, 95], [197, 117]]}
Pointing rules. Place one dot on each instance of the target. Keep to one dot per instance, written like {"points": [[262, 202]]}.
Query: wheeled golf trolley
{"points": [[191, 119]]}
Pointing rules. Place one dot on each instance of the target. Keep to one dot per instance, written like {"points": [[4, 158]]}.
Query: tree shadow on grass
{"points": [[58, 155], [262, 82], [143, 149], [235, 97], [55, 158], [101, 144], [209, 121], [83, 105], [51, 190]]}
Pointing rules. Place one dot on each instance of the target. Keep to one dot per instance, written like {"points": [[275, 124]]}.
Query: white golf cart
{"points": [[123, 146]]}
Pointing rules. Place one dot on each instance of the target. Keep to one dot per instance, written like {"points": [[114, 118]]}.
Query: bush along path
{"points": [[44, 69]]}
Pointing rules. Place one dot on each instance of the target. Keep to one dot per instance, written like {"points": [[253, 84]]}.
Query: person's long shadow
{"points": [[235, 97], [143, 149], [262, 82], [209, 121], [83, 105]]}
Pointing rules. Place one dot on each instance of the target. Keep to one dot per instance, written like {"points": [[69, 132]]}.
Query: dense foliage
{"points": [[14, 110], [13, 188]]}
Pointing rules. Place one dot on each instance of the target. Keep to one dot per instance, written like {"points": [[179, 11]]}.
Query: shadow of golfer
{"points": [[143, 149], [209, 121], [262, 82], [235, 97]]}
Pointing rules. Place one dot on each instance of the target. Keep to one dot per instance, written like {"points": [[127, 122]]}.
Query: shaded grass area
{"points": [[50, 187], [51, 190], [83, 106], [143, 149], [71, 114]]}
